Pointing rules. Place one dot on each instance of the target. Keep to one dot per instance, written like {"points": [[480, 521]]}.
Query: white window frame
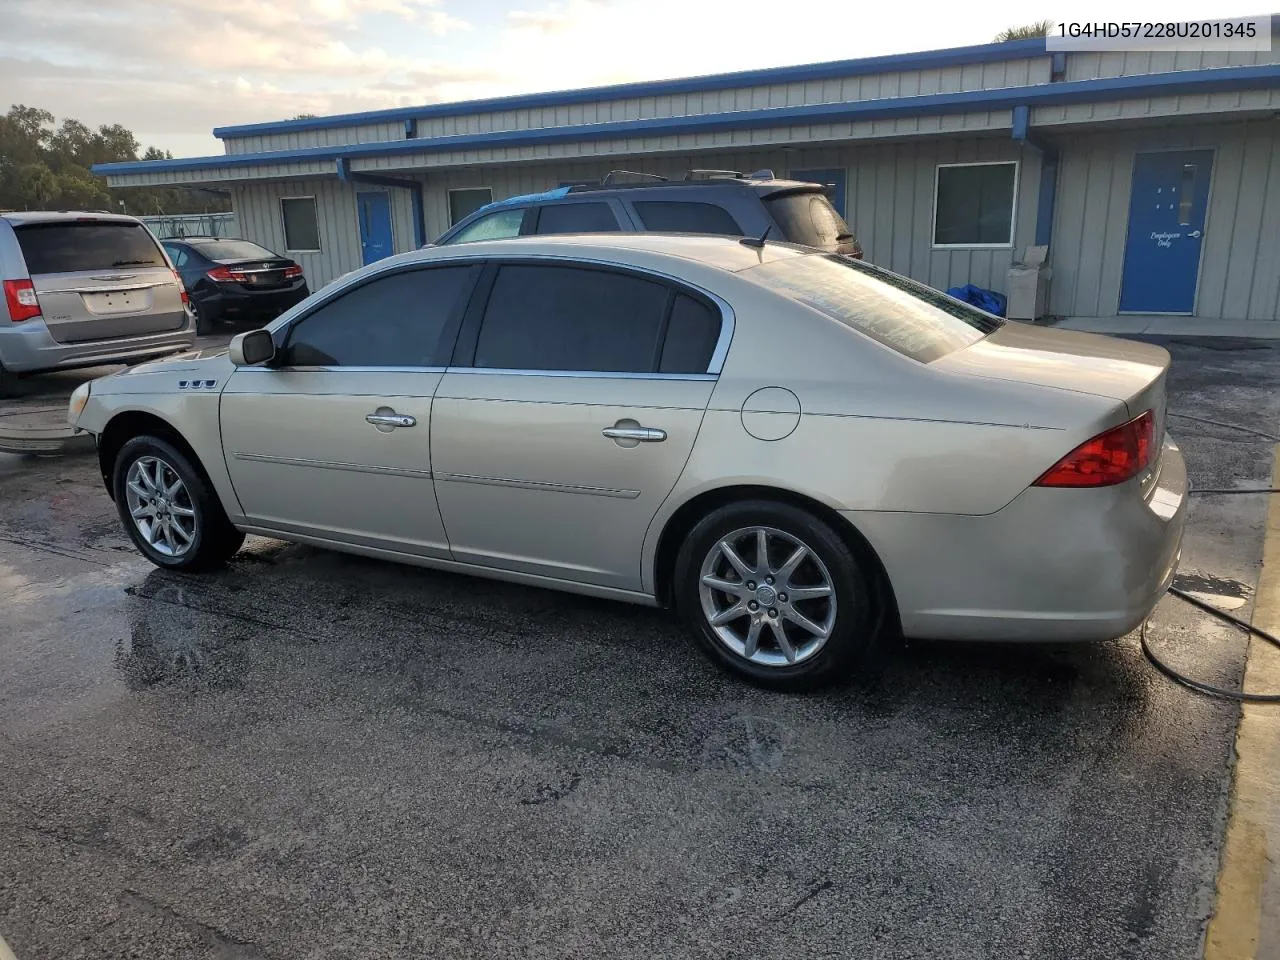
{"points": [[1013, 207], [449, 202], [284, 233]]}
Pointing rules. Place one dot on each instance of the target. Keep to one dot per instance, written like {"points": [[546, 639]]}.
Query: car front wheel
{"points": [[775, 595], [168, 508]]}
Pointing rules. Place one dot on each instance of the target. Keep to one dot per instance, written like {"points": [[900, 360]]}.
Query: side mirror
{"points": [[252, 349]]}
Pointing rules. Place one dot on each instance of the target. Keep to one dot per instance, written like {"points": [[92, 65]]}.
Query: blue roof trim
{"points": [[929, 59], [1038, 95]]}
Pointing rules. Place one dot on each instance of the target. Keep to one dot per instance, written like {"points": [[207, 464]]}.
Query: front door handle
{"points": [[628, 433], [384, 418]]}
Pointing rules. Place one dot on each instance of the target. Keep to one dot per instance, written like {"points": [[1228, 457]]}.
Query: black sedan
{"points": [[229, 279]]}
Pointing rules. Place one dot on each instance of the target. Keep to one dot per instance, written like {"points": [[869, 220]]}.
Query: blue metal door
{"points": [[1166, 231], [375, 225], [832, 179]]}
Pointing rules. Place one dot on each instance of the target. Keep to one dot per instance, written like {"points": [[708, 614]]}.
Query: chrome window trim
{"points": [[584, 374], [341, 369]]}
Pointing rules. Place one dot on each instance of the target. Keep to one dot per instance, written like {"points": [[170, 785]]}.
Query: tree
{"points": [[48, 167], [1040, 28]]}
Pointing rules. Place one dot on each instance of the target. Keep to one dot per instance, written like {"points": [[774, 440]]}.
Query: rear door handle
{"points": [[636, 434]]}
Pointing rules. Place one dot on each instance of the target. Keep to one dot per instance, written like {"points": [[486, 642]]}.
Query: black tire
{"points": [[852, 626], [8, 383], [214, 540], [204, 325]]}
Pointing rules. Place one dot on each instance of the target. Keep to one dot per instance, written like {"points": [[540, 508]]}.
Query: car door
{"points": [[572, 407], [333, 440], [579, 215]]}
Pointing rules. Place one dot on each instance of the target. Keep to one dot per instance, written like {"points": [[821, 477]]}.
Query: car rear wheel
{"points": [[775, 595], [204, 325], [168, 508], [8, 383]]}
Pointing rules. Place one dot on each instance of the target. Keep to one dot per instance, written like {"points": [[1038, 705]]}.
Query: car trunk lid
{"points": [[100, 279], [259, 274], [1124, 370]]}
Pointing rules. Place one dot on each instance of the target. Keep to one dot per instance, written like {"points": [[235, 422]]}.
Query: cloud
{"points": [[556, 18]]}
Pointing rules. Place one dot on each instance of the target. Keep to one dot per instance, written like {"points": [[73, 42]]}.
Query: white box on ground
{"points": [[1027, 286]]}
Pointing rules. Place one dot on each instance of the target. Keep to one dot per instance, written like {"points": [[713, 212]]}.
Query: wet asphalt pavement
{"points": [[311, 755]]}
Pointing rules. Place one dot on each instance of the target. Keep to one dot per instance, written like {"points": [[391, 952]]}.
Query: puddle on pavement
{"points": [[1222, 592]]}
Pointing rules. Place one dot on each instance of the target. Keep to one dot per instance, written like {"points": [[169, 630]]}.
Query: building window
{"points": [[973, 204], [301, 229], [463, 203]]}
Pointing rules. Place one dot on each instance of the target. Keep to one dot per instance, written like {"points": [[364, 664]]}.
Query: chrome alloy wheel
{"points": [[767, 596], [160, 506]]}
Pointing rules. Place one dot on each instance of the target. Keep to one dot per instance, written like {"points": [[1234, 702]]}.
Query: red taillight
{"points": [[292, 273], [1113, 457], [225, 275], [182, 287], [20, 298]]}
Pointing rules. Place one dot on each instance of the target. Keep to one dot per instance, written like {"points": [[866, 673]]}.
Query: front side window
{"points": [[499, 225], [398, 320], [71, 246], [570, 318], [900, 313], [301, 228], [671, 216], [576, 218], [974, 205]]}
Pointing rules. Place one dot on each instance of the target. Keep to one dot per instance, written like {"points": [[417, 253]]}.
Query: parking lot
{"points": [[317, 755]]}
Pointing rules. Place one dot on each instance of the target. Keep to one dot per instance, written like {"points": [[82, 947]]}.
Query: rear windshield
{"points": [[69, 247], [231, 250], [809, 218], [900, 313]]}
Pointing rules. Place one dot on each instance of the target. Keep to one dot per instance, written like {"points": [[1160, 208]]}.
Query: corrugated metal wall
{"points": [[1240, 269], [1121, 63], [975, 76], [889, 202]]}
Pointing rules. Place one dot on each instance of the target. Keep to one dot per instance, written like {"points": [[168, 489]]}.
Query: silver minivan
{"points": [[82, 289]]}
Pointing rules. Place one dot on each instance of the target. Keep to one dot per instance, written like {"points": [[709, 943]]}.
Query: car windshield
{"points": [[907, 316], [809, 218], [69, 247], [230, 250]]}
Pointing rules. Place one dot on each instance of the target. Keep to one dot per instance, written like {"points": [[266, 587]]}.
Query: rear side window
{"points": [[669, 216], [232, 250], [70, 247], [907, 316], [576, 218], [810, 219], [692, 334], [400, 320], [568, 318], [499, 225]]}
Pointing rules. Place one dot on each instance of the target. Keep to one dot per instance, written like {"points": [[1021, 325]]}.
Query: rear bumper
{"points": [[234, 300], [28, 347], [1053, 565]]}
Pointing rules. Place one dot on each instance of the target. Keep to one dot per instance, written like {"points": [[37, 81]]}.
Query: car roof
{"points": [[725, 253], [760, 187], [56, 216]]}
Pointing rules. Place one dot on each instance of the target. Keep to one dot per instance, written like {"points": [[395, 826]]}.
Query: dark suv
{"points": [[722, 202]]}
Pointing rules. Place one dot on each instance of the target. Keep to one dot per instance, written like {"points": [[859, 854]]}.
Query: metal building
{"points": [[1154, 178]]}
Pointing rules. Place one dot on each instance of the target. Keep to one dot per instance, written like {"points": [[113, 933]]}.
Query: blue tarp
{"points": [[987, 300]]}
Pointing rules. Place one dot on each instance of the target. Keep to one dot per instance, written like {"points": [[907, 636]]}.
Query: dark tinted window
{"points": [[576, 218], [691, 337], [975, 204], [565, 318], [231, 250], [67, 247], [178, 255], [809, 218], [301, 228], [900, 313], [393, 321], [676, 217]]}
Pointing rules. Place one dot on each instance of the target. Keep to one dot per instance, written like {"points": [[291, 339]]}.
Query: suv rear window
{"points": [[902, 314], [231, 250], [69, 247], [809, 218]]}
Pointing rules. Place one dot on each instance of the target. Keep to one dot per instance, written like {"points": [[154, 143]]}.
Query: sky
{"points": [[172, 70]]}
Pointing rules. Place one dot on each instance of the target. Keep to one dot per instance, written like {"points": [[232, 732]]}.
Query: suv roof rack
{"points": [[698, 176], [609, 177]]}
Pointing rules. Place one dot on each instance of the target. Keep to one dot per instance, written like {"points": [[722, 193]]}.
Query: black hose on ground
{"points": [[1198, 686]]}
